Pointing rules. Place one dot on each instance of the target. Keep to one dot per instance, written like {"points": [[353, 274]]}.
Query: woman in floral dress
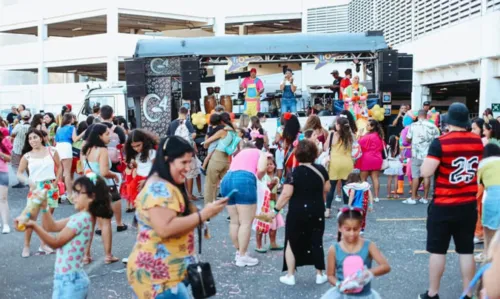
{"points": [[165, 243]]}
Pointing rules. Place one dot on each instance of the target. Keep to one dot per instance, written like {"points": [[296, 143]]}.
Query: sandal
{"points": [[26, 252], [111, 259], [87, 260], [261, 250], [278, 248]]}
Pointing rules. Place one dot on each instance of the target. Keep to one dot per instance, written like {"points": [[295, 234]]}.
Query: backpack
{"points": [[183, 131], [114, 141], [231, 147]]}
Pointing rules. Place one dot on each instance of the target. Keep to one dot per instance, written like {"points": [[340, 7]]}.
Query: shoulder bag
{"points": [[200, 275], [385, 158], [316, 171]]}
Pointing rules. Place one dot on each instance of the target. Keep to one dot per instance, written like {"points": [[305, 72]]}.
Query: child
{"points": [[257, 134], [395, 168], [352, 254], [272, 182], [91, 199], [360, 196], [140, 155], [215, 126], [311, 135]]}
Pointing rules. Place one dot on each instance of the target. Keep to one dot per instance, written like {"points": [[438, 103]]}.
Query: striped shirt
{"points": [[459, 154]]}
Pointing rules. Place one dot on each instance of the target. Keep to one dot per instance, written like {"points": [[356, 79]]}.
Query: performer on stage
{"points": [[254, 88], [355, 96], [288, 101], [345, 82], [337, 94]]}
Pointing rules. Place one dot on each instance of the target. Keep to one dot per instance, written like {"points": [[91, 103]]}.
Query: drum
{"points": [[210, 91], [227, 102], [217, 89], [210, 103]]}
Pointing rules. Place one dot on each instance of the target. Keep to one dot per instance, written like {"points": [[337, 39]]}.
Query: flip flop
{"points": [[276, 248], [110, 260], [87, 260], [261, 250]]}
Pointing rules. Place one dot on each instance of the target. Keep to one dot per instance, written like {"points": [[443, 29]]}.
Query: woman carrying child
{"points": [[91, 199], [351, 254], [215, 126]]}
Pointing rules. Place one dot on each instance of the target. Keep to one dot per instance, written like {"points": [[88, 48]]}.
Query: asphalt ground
{"points": [[397, 229]]}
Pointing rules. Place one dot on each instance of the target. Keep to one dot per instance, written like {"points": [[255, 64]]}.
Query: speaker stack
{"points": [[191, 81], [136, 78], [395, 71]]}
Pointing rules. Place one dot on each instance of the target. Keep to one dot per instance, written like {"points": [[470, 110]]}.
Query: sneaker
{"points": [[6, 229], [236, 255], [125, 260], [479, 258], [362, 231], [426, 296], [288, 280], [338, 199], [321, 279], [376, 199], [410, 201], [207, 221], [246, 260], [478, 241], [228, 219], [122, 228], [424, 201], [327, 213]]}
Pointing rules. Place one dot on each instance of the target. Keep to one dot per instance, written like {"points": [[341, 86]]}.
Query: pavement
{"points": [[397, 229]]}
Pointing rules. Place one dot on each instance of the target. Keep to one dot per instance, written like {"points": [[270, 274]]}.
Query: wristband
{"points": [[44, 211], [276, 210]]}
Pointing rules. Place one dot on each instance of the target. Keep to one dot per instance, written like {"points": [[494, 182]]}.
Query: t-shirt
{"points": [[69, 258], [143, 168], [246, 160], [118, 130], [421, 133], [337, 89], [344, 83], [11, 117], [175, 124], [249, 80], [459, 154], [65, 134], [20, 131]]}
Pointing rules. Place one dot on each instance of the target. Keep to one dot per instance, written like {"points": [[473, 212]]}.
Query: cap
{"points": [[25, 114], [253, 70], [69, 106], [334, 72], [458, 115], [427, 103]]}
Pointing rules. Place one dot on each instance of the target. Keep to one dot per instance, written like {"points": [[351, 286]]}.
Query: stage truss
{"points": [[297, 58]]}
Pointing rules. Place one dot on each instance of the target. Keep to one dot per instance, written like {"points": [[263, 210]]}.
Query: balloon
{"points": [[199, 120], [200, 127], [376, 107]]}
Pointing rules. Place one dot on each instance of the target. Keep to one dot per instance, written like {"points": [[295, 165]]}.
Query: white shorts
{"points": [[279, 156], [64, 150]]}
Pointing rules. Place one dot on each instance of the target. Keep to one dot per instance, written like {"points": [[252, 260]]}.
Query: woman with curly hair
{"points": [[314, 123]]}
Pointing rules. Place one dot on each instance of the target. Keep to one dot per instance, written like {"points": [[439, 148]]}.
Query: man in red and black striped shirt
{"points": [[453, 159]]}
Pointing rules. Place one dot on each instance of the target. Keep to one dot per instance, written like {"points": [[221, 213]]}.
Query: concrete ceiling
{"points": [[266, 27]]}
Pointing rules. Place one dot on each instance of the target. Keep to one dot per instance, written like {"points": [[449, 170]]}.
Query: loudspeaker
{"points": [[405, 61], [405, 75], [191, 79], [136, 78], [387, 56]]}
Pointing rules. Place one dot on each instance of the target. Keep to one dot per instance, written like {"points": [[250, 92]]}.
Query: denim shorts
{"points": [[73, 285], [246, 184], [4, 179], [491, 208]]}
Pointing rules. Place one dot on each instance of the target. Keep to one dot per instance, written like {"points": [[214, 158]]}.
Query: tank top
{"points": [[94, 166], [340, 256], [41, 169]]}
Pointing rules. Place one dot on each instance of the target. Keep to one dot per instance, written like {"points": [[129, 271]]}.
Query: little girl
{"points": [[272, 182], [352, 254], [91, 199], [395, 168], [360, 196]]}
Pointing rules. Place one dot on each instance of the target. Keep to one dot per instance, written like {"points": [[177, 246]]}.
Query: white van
{"points": [[116, 97]]}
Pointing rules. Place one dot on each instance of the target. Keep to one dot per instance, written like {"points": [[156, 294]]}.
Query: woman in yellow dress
{"points": [[165, 242], [341, 163]]}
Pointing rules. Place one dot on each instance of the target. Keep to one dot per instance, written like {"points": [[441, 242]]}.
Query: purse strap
{"points": [[198, 228], [316, 171]]}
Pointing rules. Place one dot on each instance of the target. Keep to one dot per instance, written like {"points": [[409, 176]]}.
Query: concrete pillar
{"points": [[242, 30], [43, 74], [112, 32], [220, 71], [489, 88], [420, 93]]}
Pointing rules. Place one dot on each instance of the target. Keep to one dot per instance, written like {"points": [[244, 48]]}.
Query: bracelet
{"points": [[199, 217], [44, 211], [276, 210]]}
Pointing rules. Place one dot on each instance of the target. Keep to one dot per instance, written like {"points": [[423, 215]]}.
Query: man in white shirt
{"points": [[420, 134]]}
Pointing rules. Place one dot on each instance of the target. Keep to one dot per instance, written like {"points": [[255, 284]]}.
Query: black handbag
{"points": [[115, 193], [200, 276]]}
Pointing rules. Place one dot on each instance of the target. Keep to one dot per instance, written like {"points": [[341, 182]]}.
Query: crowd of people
{"points": [[303, 169]]}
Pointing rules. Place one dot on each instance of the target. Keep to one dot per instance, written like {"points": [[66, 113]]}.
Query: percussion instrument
{"points": [[217, 89], [315, 87], [238, 101], [227, 102], [210, 103], [210, 91]]}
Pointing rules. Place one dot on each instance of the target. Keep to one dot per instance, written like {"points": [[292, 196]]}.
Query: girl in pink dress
{"points": [[370, 163]]}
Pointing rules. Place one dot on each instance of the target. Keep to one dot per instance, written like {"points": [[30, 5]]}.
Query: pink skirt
{"points": [[277, 222]]}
